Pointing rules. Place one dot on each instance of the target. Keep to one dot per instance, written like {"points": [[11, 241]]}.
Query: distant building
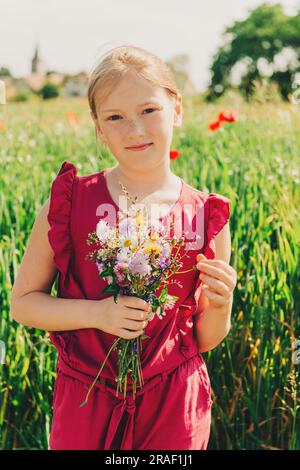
{"points": [[75, 85], [15, 85], [71, 85], [35, 80], [37, 65]]}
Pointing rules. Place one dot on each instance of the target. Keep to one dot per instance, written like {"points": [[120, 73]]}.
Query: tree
{"points": [[5, 72], [265, 44], [49, 90]]}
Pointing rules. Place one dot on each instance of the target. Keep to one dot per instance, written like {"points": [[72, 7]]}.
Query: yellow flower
{"points": [[127, 243], [151, 247]]}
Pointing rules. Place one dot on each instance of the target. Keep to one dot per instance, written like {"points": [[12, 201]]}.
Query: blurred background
{"points": [[237, 65]]}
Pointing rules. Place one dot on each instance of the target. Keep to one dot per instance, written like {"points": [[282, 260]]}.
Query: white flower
{"points": [[103, 231]]}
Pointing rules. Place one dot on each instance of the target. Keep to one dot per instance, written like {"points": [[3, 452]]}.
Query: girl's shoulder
{"points": [[68, 186], [212, 208], [68, 173], [68, 190], [211, 200]]}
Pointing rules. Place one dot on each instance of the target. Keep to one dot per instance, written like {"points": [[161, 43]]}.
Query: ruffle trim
{"points": [[59, 234], [218, 216]]}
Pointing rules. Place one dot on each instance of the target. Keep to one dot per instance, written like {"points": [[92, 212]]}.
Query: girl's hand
{"points": [[127, 318], [220, 280]]}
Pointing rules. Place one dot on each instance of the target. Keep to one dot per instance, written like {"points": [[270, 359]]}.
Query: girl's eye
{"points": [[149, 108], [117, 115], [109, 119]]}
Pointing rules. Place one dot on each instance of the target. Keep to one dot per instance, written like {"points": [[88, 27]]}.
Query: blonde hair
{"points": [[117, 62]]}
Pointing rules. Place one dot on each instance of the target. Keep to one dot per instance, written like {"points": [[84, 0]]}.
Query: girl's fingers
{"points": [[219, 263], [216, 285], [217, 273], [218, 299]]}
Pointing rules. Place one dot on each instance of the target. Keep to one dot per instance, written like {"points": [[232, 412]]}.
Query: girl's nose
{"points": [[134, 124]]}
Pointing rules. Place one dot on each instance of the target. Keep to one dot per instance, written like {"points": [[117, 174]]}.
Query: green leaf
{"points": [[164, 291], [155, 302], [106, 272], [111, 289]]}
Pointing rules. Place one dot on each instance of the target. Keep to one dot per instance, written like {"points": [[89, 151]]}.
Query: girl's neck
{"points": [[142, 184]]}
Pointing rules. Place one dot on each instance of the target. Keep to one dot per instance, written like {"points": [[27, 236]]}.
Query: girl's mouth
{"points": [[137, 149]]}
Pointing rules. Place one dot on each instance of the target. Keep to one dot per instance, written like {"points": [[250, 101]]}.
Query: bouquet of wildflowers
{"points": [[135, 259]]}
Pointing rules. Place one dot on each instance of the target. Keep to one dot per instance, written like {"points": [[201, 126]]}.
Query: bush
{"points": [[20, 96], [49, 90]]}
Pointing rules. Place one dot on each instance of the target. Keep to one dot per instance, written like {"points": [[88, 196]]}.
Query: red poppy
{"points": [[174, 154], [213, 126], [228, 116]]}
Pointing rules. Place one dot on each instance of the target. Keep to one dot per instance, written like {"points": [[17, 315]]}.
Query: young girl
{"points": [[134, 102]]}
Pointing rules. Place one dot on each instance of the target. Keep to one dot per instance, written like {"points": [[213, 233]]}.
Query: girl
{"points": [[134, 105]]}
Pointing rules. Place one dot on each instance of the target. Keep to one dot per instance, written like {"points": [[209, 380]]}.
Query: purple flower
{"points": [[139, 264], [164, 263], [165, 250], [100, 265], [150, 298]]}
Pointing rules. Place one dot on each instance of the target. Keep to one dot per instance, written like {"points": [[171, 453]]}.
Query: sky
{"points": [[72, 34]]}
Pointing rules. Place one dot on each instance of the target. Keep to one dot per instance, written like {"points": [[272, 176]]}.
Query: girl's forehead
{"points": [[120, 98], [126, 91]]}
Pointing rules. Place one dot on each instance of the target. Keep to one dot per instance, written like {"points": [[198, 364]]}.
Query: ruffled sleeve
{"points": [[216, 215], [59, 234]]}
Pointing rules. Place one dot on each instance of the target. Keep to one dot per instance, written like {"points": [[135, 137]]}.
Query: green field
{"points": [[255, 163]]}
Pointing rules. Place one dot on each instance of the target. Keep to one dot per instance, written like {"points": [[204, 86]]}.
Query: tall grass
{"points": [[254, 162]]}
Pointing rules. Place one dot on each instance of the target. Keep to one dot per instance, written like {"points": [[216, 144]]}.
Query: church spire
{"points": [[36, 63]]}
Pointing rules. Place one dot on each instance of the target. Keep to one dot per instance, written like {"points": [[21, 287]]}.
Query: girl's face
{"points": [[137, 112]]}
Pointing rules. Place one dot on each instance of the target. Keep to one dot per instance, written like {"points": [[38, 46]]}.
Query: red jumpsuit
{"points": [[173, 408]]}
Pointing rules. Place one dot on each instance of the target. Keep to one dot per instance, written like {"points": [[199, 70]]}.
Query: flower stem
{"points": [[187, 271], [112, 347]]}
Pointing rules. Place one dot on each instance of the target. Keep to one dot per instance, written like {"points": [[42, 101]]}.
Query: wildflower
{"points": [[120, 271], [174, 154], [103, 231], [169, 303], [228, 116], [214, 126], [100, 265], [165, 252], [151, 247], [123, 256], [139, 264]]}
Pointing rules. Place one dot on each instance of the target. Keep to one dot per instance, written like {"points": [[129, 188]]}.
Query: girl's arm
{"points": [[31, 301], [212, 323]]}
